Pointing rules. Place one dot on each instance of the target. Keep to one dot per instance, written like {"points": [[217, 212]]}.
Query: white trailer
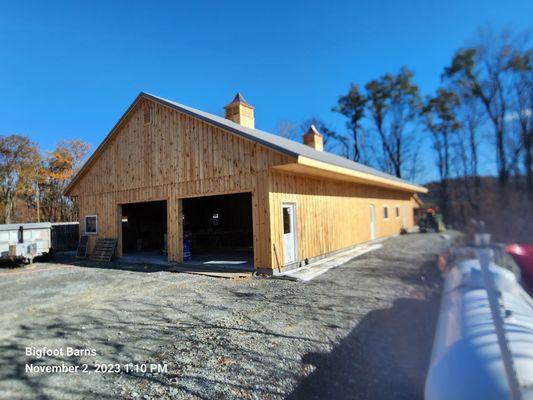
{"points": [[24, 242]]}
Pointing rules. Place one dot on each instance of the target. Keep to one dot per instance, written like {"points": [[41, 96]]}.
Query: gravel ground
{"points": [[362, 330]]}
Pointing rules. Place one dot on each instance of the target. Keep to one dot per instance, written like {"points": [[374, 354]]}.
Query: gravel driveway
{"points": [[361, 331]]}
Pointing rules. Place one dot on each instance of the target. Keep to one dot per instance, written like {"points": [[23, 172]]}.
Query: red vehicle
{"points": [[523, 256]]}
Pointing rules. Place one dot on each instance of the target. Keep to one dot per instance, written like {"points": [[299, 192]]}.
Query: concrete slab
{"points": [[202, 262], [154, 258], [311, 271], [214, 273], [224, 260]]}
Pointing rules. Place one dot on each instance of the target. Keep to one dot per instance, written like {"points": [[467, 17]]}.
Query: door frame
{"points": [[294, 219], [120, 204], [373, 222]]}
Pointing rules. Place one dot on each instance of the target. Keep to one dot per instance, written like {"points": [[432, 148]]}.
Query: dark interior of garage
{"points": [[144, 227], [219, 224]]}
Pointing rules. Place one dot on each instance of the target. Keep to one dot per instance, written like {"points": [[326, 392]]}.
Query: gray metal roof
{"points": [[281, 144], [287, 146]]}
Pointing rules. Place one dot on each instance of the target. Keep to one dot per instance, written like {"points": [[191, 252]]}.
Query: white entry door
{"points": [[372, 221], [289, 233]]}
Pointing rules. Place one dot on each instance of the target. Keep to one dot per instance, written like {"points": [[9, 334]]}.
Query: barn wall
{"points": [[175, 156], [332, 215], [172, 157]]}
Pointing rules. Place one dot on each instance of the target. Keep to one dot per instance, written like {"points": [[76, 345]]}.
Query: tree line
{"points": [[485, 97], [482, 110], [32, 181]]}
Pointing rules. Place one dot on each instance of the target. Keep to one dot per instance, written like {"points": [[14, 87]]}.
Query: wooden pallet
{"points": [[103, 250]]}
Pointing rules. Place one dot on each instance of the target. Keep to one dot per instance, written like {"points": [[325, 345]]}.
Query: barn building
{"points": [[239, 196]]}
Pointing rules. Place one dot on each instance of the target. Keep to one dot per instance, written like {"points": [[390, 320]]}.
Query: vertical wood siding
{"points": [[173, 157], [332, 215]]}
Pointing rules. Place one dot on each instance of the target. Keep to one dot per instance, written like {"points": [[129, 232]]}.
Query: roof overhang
{"points": [[308, 166]]}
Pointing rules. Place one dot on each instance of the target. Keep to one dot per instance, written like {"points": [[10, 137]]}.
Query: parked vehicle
{"points": [[24, 242], [523, 256], [431, 221]]}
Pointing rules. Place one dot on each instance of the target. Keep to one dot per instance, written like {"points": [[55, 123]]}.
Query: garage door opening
{"points": [[144, 230], [219, 230]]}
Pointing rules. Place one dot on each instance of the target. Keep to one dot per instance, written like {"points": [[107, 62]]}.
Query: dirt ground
{"points": [[363, 330]]}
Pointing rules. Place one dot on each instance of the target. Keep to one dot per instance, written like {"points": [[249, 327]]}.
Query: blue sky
{"points": [[70, 69]]}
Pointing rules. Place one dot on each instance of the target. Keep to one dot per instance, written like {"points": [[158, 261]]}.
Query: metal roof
{"points": [[287, 146], [275, 142], [239, 98]]}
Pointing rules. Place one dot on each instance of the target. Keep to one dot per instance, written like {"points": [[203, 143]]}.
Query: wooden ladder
{"points": [[82, 246]]}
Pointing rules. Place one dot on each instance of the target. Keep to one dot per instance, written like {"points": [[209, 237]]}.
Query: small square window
{"points": [[286, 220], [91, 225], [385, 212]]}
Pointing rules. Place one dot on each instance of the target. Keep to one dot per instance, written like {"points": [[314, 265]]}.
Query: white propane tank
{"points": [[466, 361]]}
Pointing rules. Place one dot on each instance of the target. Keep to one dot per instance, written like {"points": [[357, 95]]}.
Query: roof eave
{"points": [[361, 176]]}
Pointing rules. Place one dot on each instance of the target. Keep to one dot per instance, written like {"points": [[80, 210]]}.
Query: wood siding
{"points": [[158, 153], [332, 215], [172, 157]]}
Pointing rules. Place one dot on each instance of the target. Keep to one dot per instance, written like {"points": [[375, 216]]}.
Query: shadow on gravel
{"points": [[13, 362], [225, 339], [385, 356], [113, 265], [183, 338]]}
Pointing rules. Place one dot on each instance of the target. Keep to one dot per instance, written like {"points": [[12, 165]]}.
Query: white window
{"points": [[385, 212], [91, 225], [397, 211]]}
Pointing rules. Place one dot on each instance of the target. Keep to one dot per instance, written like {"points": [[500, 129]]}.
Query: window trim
{"points": [[295, 228], [85, 224], [398, 212], [385, 207]]}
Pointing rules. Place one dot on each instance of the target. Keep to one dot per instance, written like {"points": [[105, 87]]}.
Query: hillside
{"points": [[508, 213]]}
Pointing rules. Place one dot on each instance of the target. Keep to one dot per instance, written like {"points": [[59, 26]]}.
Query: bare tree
{"points": [[329, 135], [482, 72], [466, 152], [440, 120], [522, 106], [394, 104], [352, 106], [287, 129]]}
